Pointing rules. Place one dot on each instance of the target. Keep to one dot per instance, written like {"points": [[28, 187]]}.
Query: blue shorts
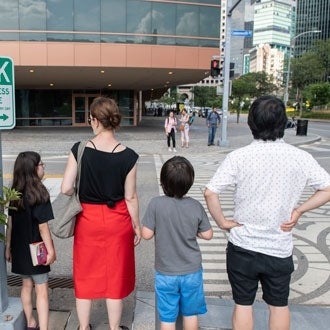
{"points": [[247, 268], [182, 294]]}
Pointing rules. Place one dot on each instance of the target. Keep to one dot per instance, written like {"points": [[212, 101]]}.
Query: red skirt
{"points": [[103, 252]]}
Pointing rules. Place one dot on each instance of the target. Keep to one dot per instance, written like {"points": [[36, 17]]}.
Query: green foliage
{"points": [[9, 196], [206, 96], [253, 84], [317, 94], [313, 66]]}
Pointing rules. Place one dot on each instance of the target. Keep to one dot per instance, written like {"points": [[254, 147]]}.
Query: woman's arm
{"points": [[132, 202], [47, 239], [69, 177]]}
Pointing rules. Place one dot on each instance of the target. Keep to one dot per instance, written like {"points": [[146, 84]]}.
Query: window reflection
{"points": [[32, 16], [60, 18], [112, 21], [187, 22]]}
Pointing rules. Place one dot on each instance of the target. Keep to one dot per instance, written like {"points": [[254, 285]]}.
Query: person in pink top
{"points": [[170, 129]]}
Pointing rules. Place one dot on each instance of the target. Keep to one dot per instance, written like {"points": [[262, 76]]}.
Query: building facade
{"points": [[67, 52], [312, 15]]}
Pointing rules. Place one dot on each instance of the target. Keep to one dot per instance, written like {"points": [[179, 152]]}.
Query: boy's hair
{"points": [[177, 176], [267, 118]]}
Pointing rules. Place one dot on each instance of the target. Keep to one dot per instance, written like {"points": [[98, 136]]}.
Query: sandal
{"points": [[90, 327], [33, 328], [123, 327]]}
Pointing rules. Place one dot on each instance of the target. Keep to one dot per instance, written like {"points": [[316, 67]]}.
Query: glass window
{"points": [[59, 18], [209, 24], [187, 20], [113, 19], [87, 16], [9, 19], [163, 18], [32, 16], [138, 19]]}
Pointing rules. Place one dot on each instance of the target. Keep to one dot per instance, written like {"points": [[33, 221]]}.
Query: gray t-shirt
{"points": [[176, 223]]}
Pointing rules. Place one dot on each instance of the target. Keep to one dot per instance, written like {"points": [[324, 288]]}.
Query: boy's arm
{"points": [[147, 233], [206, 234]]}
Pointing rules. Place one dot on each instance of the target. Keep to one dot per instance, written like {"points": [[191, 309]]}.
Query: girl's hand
{"points": [[8, 254]]}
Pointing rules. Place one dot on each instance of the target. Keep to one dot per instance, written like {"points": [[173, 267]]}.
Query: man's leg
{"points": [[243, 317], [210, 136], [279, 318]]}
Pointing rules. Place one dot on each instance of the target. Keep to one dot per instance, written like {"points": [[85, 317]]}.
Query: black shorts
{"points": [[246, 268]]}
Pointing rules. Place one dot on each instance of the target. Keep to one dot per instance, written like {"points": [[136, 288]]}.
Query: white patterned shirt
{"points": [[269, 178]]}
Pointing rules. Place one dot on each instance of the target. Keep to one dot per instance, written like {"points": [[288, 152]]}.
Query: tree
{"points": [[317, 94], [252, 85], [205, 96]]}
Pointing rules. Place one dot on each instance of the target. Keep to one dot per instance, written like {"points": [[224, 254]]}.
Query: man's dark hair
{"points": [[177, 176], [267, 118]]}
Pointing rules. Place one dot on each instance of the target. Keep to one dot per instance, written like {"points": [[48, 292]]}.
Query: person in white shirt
{"points": [[269, 177]]}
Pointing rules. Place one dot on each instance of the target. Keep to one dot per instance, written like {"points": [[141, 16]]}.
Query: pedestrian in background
{"points": [[269, 176], [176, 221], [28, 223], [108, 228], [170, 130], [212, 120], [184, 123]]}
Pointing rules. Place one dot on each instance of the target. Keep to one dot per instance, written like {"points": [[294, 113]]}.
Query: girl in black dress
{"points": [[28, 223]]}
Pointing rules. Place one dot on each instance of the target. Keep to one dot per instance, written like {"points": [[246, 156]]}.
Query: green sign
{"points": [[7, 93]]}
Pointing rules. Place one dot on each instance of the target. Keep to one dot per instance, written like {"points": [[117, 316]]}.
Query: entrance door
{"points": [[80, 108]]}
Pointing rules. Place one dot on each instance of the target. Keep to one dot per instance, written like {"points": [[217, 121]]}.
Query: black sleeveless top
{"points": [[103, 174]]}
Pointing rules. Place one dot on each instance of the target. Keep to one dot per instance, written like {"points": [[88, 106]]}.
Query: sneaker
{"points": [[174, 150], [169, 149]]}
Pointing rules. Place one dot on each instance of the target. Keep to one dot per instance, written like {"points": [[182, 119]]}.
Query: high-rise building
{"points": [[67, 52], [274, 23], [312, 15]]}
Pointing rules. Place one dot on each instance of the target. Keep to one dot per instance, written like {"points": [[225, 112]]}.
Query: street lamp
{"points": [[292, 44]]}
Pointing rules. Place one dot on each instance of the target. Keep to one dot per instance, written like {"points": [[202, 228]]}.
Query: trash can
{"points": [[302, 125]]}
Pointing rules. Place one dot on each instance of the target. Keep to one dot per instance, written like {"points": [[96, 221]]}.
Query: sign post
{"points": [[7, 93], [11, 312]]}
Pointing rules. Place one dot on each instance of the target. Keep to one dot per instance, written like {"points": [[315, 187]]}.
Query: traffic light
{"points": [[215, 70], [232, 71]]}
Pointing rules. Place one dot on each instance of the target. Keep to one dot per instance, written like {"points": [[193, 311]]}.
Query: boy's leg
{"points": [[26, 298], [279, 318], [167, 326], [42, 304], [190, 322], [242, 317]]}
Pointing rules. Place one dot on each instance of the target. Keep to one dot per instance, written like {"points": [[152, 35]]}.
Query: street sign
{"points": [[7, 93], [241, 33]]}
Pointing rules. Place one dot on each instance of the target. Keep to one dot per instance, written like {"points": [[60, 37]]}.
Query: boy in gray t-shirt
{"points": [[176, 221]]}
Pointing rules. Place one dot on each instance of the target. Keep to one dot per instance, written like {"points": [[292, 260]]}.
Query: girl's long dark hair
{"points": [[27, 181]]}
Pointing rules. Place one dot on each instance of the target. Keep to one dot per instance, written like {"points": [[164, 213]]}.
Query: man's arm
{"points": [[214, 207], [319, 198]]}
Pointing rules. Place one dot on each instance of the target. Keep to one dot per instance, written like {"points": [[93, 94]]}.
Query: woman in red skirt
{"points": [[108, 228]]}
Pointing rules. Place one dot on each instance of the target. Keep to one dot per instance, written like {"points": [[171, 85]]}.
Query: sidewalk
{"points": [[149, 139]]}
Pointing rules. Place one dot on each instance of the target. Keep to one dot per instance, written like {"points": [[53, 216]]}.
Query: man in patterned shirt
{"points": [[269, 177]]}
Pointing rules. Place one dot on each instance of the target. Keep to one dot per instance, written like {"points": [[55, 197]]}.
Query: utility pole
{"points": [[226, 74]]}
